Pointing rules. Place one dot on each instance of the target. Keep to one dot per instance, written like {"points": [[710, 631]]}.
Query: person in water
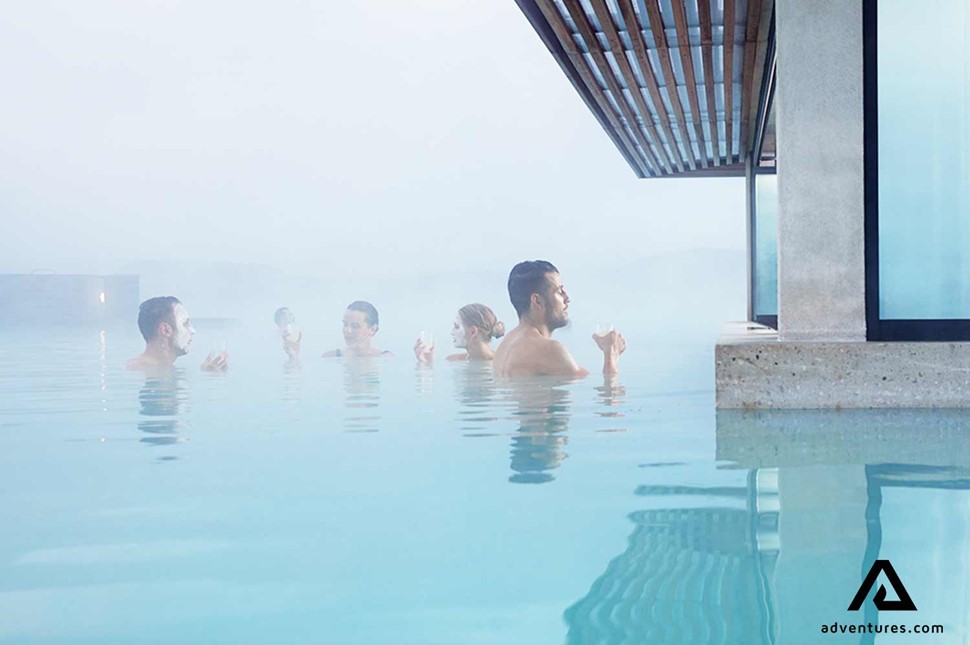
{"points": [[475, 327], [360, 325], [168, 332], [541, 302], [289, 332]]}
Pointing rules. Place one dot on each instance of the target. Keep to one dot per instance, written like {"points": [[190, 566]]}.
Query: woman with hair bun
{"points": [[475, 327]]}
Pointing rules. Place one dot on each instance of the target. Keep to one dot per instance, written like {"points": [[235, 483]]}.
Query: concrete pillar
{"points": [[821, 248], [823, 536]]}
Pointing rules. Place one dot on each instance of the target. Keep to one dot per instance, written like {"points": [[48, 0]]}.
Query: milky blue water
{"points": [[342, 502]]}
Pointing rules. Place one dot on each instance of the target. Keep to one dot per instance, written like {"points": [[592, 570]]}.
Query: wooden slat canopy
{"points": [[675, 83]]}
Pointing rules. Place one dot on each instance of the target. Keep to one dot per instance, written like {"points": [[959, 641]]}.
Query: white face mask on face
{"points": [[183, 330], [458, 334]]}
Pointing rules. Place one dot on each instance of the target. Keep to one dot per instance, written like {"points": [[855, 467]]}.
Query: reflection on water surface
{"points": [[378, 502], [162, 401]]}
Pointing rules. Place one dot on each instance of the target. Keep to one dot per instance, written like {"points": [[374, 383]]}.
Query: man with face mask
{"points": [[165, 325], [540, 300]]}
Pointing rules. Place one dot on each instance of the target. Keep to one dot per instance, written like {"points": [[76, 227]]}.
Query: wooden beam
{"points": [[707, 42], [673, 163], [646, 70], [663, 51], [549, 38], [734, 170], [586, 32], [687, 63], [747, 91], [728, 74], [762, 83], [555, 20]]}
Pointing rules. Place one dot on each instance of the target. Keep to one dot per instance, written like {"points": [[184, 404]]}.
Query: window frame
{"points": [[877, 327]]}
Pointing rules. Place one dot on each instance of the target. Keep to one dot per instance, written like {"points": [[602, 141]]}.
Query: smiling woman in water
{"points": [[359, 326], [474, 328]]}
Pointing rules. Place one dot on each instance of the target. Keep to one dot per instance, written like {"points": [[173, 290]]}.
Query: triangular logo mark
{"points": [[905, 603]]}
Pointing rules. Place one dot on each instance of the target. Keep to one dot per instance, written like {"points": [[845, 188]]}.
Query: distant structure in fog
{"points": [[40, 298]]}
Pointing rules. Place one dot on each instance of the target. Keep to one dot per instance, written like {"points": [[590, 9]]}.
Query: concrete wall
{"points": [[122, 298], [67, 299], [800, 438], [823, 535], [821, 268], [766, 373]]}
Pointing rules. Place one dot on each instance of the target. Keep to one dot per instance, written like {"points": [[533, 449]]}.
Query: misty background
{"points": [[244, 157]]}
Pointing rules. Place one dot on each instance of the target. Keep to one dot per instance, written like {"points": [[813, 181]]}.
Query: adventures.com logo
{"points": [[903, 602]]}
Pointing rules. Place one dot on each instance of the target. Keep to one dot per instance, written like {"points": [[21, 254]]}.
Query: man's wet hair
{"points": [[155, 311], [526, 279], [366, 308]]}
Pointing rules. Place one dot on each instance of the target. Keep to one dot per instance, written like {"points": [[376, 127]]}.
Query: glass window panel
{"points": [[924, 159], [766, 245], [924, 533]]}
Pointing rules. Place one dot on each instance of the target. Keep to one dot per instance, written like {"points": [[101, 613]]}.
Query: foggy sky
{"points": [[316, 136]]}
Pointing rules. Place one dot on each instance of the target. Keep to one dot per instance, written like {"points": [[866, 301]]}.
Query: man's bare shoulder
{"points": [[146, 364], [547, 352], [138, 363], [534, 356], [537, 346]]}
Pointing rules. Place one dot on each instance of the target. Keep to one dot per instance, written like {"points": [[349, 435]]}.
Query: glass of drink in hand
{"points": [[602, 329], [424, 348]]}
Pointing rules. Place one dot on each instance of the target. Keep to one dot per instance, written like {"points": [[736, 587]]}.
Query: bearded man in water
{"points": [[540, 300], [164, 323]]}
